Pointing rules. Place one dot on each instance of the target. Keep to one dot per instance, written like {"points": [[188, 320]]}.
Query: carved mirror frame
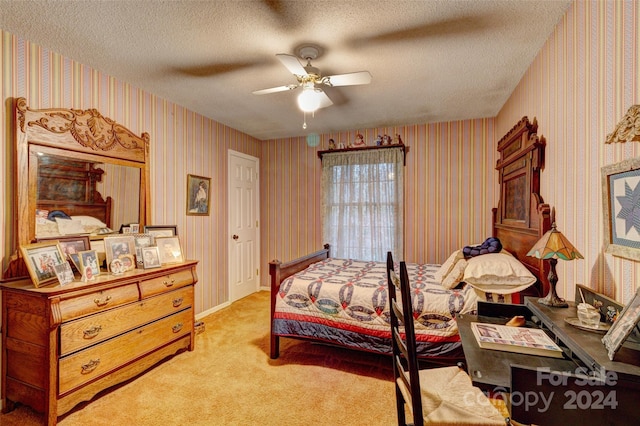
{"points": [[77, 134]]}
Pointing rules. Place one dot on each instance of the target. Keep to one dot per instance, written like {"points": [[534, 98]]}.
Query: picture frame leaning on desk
{"points": [[623, 326]]}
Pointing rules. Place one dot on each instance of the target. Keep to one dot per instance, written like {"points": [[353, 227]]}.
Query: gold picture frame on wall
{"points": [[620, 196], [198, 195]]}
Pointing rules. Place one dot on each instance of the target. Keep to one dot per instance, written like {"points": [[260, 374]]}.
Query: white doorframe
{"points": [[245, 226]]}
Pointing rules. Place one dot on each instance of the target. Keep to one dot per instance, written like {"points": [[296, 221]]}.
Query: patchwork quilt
{"points": [[346, 302]]}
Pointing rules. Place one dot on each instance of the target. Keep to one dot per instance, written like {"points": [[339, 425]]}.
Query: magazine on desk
{"points": [[532, 341]]}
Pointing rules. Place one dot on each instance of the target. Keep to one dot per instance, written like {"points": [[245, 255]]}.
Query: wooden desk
{"points": [[489, 369], [586, 388]]}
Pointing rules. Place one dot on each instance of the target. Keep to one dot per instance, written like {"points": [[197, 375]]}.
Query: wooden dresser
{"points": [[64, 344]]}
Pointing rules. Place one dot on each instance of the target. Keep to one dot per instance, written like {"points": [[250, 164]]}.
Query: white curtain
{"points": [[362, 203]]}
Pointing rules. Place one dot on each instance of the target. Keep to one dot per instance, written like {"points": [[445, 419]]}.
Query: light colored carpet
{"points": [[229, 379]]}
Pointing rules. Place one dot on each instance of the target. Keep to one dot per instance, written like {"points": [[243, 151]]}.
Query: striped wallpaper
{"points": [[580, 85], [182, 142], [448, 167]]}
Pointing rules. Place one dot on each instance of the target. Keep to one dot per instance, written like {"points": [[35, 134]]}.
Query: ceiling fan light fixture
{"points": [[309, 99]]}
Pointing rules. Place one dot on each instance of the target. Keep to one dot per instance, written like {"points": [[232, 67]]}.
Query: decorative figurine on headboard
{"points": [[359, 142], [379, 140], [386, 140], [397, 140], [332, 144]]}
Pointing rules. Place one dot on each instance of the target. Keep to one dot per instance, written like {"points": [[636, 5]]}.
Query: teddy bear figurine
{"points": [[332, 144]]}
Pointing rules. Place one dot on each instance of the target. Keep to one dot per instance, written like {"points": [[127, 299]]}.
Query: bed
{"points": [[68, 201], [344, 302]]}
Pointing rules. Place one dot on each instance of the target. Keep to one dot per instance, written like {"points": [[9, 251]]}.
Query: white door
{"points": [[244, 238]]}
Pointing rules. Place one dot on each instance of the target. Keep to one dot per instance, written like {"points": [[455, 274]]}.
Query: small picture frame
{"points": [[75, 262], [41, 259], [64, 273], [70, 245], [161, 230], [89, 260], [119, 247], [170, 250], [623, 326], [142, 240], [134, 228], [150, 257], [198, 194]]}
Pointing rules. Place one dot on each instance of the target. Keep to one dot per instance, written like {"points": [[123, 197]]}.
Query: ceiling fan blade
{"points": [[325, 101], [209, 70], [293, 65], [349, 79], [275, 89]]}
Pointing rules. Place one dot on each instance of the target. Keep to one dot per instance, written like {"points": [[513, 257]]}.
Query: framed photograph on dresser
{"points": [[161, 230], [41, 259], [70, 244], [623, 326], [170, 250], [120, 247]]}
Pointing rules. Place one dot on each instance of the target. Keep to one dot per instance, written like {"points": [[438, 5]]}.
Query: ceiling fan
{"points": [[313, 97]]}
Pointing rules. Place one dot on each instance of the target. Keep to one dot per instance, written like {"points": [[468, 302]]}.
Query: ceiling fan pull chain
{"points": [[304, 123]]}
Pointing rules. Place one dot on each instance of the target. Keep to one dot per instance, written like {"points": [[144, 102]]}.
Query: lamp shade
{"points": [[309, 99], [554, 245]]}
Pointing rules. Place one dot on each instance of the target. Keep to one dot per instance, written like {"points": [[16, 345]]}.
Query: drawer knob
{"points": [[177, 302], [92, 332], [90, 366], [169, 283], [176, 328], [102, 302]]}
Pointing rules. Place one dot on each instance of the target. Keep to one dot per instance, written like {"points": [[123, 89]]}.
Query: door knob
{"points": [[235, 237]]}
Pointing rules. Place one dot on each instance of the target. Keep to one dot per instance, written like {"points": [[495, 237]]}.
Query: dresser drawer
{"points": [[81, 333], [98, 360], [166, 283], [98, 301]]}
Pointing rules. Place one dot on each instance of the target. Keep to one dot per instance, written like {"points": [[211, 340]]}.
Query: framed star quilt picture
{"points": [[621, 199]]}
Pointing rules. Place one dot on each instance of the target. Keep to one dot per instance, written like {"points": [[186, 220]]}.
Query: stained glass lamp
{"points": [[553, 246]]}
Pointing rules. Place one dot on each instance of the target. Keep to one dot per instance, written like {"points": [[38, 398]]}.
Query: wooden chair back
{"points": [[403, 342]]}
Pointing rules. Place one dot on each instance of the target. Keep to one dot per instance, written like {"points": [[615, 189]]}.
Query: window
{"points": [[362, 203]]}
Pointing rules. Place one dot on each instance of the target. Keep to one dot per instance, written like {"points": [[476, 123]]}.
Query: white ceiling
{"points": [[431, 61]]}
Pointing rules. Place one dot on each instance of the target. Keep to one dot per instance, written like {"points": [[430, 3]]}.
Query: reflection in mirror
{"points": [[80, 187]]}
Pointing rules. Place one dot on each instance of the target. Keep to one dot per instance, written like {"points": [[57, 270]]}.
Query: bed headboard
{"points": [[69, 185], [522, 217]]}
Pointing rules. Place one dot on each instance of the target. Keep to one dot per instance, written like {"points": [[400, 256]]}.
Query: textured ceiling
{"points": [[431, 61]]}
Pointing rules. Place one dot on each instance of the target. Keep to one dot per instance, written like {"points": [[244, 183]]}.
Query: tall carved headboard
{"points": [[522, 217]]}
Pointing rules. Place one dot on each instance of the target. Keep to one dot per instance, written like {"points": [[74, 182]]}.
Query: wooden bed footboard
{"points": [[279, 272]]}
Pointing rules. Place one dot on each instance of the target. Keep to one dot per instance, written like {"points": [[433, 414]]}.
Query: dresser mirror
{"points": [[78, 164]]}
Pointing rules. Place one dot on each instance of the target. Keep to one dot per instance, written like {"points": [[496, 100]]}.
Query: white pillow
{"points": [[497, 273], [90, 221], [69, 226], [455, 275], [448, 264]]}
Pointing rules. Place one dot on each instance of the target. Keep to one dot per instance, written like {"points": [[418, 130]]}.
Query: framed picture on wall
{"points": [[621, 196], [198, 193]]}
